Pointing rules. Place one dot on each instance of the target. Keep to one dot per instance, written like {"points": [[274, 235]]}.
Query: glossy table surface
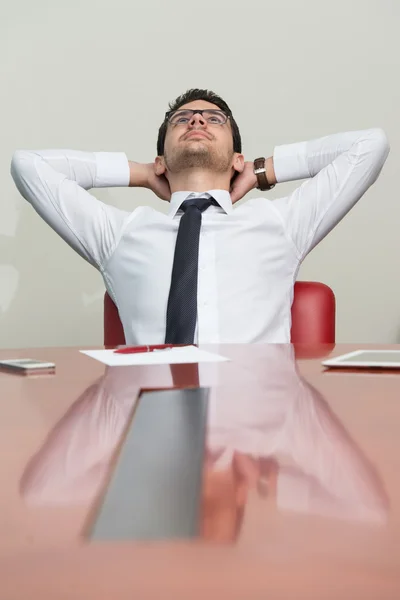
{"points": [[301, 492]]}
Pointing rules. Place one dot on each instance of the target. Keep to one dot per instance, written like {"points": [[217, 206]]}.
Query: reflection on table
{"points": [[280, 438]]}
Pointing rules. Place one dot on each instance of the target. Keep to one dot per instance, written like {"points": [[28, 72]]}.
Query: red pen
{"points": [[138, 349]]}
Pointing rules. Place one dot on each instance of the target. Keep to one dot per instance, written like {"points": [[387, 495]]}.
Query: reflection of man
{"points": [[280, 438], [235, 282], [283, 440]]}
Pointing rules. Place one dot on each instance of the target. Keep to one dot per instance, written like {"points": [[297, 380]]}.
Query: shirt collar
{"points": [[223, 198]]}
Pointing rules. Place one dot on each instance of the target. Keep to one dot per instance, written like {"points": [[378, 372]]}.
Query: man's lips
{"points": [[196, 134]]}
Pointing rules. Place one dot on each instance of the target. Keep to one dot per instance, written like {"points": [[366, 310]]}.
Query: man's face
{"points": [[199, 144]]}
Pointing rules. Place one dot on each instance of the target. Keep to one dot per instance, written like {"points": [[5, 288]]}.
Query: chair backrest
{"points": [[313, 316], [113, 330]]}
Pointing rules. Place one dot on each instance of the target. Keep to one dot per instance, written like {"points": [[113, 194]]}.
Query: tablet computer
{"points": [[385, 359]]}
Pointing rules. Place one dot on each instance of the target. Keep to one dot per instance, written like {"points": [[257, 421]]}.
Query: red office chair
{"points": [[313, 316]]}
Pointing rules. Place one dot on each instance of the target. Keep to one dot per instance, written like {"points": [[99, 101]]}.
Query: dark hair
{"points": [[208, 96]]}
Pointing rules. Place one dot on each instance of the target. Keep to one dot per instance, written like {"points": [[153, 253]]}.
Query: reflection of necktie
{"points": [[185, 376], [182, 301]]}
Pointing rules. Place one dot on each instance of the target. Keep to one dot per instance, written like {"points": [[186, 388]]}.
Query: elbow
{"points": [[22, 168], [19, 162], [380, 143]]}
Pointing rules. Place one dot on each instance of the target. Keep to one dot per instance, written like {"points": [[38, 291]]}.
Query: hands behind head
{"points": [[243, 183]]}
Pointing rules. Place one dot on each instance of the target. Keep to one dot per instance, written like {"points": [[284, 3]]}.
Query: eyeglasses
{"points": [[184, 116]]}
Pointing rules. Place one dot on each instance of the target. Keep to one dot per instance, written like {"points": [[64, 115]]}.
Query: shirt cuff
{"points": [[290, 162], [112, 169]]}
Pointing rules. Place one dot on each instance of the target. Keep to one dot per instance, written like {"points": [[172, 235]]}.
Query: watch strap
{"points": [[261, 174]]}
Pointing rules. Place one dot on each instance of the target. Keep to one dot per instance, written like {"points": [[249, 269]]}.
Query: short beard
{"points": [[197, 157]]}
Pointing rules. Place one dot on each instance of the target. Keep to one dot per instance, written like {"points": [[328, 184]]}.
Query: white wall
{"points": [[97, 75]]}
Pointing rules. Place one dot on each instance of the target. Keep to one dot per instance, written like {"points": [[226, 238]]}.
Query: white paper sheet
{"points": [[188, 354]]}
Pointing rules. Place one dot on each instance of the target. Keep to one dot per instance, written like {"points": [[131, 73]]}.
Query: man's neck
{"points": [[198, 181]]}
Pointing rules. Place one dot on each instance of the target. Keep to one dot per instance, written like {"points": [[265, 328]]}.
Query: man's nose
{"points": [[197, 121]]}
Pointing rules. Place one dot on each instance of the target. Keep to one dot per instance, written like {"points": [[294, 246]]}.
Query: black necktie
{"points": [[182, 300]]}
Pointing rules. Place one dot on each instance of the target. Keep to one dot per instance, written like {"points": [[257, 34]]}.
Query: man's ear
{"points": [[238, 163], [160, 165]]}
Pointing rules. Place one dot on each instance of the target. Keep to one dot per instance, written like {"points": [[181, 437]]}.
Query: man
{"points": [[229, 275]]}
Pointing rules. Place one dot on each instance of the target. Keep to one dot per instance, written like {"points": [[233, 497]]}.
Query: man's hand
{"points": [[144, 175], [246, 180], [158, 183]]}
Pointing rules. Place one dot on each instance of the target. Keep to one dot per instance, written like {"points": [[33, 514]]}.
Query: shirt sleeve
{"points": [[55, 182], [300, 493], [339, 169], [71, 464], [337, 477]]}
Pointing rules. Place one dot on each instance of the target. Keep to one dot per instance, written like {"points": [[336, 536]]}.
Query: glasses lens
{"points": [[215, 117], [182, 117]]}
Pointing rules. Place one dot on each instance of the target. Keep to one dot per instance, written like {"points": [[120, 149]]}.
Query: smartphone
{"points": [[27, 366]]}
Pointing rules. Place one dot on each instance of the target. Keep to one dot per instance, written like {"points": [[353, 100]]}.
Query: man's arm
{"points": [[341, 480], [71, 463], [55, 182], [340, 168]]}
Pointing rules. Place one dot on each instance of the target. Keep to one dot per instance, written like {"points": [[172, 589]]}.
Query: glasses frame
{"points": [[200, 111]]}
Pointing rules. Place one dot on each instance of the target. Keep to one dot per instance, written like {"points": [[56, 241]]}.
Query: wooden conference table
{"points": [[276, 479]]}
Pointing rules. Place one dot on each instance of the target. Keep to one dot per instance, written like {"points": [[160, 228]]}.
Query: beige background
{"points": [[97, 75]]}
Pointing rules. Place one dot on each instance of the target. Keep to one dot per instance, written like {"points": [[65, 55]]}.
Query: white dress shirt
{"points": [[249, 255]]}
